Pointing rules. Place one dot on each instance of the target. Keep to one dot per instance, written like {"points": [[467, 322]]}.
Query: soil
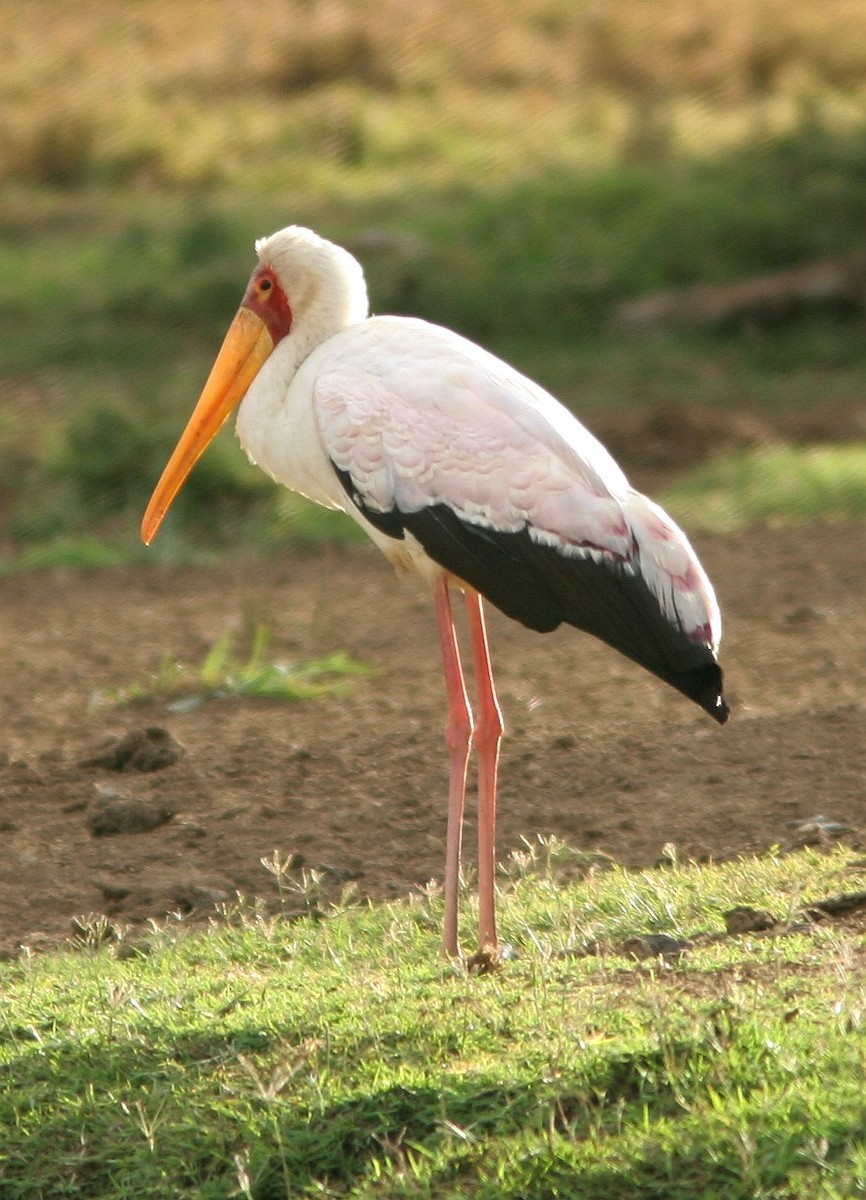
{"points": [[597, 752]]}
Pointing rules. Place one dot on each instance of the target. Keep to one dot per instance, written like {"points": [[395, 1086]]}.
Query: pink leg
{"points": [[458, 735], [488, 736]]}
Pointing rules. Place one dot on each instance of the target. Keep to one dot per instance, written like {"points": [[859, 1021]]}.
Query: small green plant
{"points": [[550, 858], [222, 675], [298, 893]]}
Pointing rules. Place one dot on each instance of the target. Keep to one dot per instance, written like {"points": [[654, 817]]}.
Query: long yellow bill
{"points": [[245, 348]]}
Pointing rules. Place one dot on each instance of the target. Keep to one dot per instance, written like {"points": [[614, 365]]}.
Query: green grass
{"points": [[339, 1056], [774, 485]]}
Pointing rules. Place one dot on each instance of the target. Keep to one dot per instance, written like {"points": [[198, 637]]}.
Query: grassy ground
{"points": [[339, 1056], [774, 484]]}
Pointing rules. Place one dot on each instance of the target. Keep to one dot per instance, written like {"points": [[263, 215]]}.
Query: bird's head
{"points": [[304, 290]]}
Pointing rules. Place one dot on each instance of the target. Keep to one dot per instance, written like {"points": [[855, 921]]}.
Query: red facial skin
{"points": [[269, 302]]}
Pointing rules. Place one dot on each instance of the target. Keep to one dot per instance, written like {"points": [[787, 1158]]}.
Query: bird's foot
{"points": [[484, 961]]}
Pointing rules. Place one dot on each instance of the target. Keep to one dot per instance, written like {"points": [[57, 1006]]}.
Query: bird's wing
{"points": [[418, 416], [502, 486]]}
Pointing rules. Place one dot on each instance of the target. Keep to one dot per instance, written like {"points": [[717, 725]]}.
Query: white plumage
{"points": [[460, 467]]}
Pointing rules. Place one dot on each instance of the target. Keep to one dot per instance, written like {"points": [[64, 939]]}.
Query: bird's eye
{"points": [[265, 285]]}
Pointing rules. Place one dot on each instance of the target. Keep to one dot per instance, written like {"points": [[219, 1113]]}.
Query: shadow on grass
{"points": [[198, 1114], [118, 1092]]}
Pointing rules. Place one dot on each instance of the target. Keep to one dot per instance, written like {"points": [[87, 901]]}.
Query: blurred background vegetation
{"points": [[516, 169]]}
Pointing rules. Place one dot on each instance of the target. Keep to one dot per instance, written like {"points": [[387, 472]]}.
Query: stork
{"points": [[464, 470]]}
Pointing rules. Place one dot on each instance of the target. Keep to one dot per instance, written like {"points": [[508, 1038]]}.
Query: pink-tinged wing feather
{"points": [[419, 416], [673, 571]]}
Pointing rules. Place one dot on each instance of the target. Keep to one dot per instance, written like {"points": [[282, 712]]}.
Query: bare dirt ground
{"points": [[597, 752]]}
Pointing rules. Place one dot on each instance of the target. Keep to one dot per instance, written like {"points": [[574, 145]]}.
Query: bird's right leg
{"points": [[458, 735], [488, 736]]}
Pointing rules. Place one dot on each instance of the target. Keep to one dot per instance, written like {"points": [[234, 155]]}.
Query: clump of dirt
{"points": [[150, 749], [119, 813]]}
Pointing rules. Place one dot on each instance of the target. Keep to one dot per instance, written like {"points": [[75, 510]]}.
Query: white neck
{"points": [[326, 292]]}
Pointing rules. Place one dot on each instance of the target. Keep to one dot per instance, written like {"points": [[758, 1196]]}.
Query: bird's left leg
{"points": [[458, 735], [487, 739]]}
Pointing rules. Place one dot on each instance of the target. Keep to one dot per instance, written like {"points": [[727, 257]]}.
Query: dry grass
{"points": [[160, 92]]}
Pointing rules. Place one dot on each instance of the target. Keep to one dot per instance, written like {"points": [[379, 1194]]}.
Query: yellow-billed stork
{"points": [[461, 468]]}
